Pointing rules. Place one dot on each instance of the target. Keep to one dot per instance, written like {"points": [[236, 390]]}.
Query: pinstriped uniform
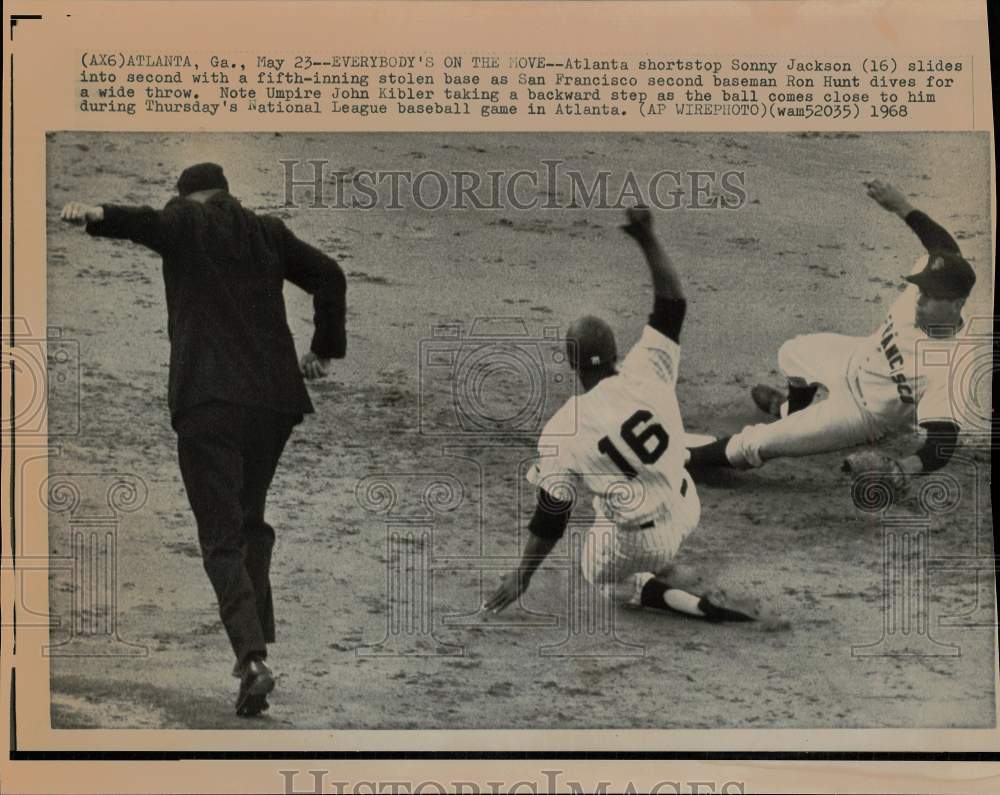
{"points": [[627, 455]]}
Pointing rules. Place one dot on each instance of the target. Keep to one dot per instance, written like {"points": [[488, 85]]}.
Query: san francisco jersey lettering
{"points": [[886, 377]]}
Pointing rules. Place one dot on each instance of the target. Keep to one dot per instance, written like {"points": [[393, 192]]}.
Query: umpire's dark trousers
{"points": [[228, 454]]}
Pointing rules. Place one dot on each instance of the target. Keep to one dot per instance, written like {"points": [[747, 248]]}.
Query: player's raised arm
{"points": [[934, 236], [669, 305], [666, 282]]}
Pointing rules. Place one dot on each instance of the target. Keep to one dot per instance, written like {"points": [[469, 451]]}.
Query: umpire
{"points": [[235, 387]]}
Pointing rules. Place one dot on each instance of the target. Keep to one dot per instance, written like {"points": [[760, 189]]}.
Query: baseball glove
{"points": [[878, 480]]}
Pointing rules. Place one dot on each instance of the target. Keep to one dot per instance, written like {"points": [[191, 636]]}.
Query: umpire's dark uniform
{"points": [[235, 389]]}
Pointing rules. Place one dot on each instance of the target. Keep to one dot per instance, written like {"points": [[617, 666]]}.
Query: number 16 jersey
{"points": [[628, 449]]}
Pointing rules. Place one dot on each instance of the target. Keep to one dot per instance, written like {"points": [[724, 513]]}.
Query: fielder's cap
{"points": [[590, 343], [203, 176], [946, 275]]}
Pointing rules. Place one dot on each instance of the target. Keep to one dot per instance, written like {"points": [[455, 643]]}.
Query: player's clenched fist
{"points": [[80, 213], [512, 585], [889, 197], [639, 221]]}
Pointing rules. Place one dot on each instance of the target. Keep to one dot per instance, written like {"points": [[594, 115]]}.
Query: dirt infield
{"points": [[373, 486]]}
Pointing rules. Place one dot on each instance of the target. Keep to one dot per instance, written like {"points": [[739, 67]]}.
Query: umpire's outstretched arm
{"points": [[155, 229]]}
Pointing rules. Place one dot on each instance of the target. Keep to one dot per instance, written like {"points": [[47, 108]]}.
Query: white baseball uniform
{"points": [[876, 386], [628, 455]]}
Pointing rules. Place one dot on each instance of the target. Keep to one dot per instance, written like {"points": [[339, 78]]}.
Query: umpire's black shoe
{"points": [[256, 681]]}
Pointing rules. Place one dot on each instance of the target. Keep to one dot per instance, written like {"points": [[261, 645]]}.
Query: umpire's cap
{"points": [[203, 176], [590, 343]]}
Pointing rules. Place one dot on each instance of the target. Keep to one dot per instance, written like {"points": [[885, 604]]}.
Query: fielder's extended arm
{"points": [[942, 436], [933, 236]]}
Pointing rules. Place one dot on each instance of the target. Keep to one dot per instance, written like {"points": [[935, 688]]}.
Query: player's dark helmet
{"points": [[590, 344]]}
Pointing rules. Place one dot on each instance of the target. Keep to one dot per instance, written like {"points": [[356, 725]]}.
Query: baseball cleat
{"points": [[768, 399], [256, 682], [718, 605]]}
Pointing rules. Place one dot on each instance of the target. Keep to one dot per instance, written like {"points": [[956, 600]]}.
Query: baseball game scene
{"points": [[519, 431]]}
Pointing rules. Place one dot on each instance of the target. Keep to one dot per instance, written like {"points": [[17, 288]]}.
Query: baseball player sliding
{"points": [[628, 455], [874, 384]]}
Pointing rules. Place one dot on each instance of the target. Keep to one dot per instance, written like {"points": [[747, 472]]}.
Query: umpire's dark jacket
{"points": [[224, 267]]}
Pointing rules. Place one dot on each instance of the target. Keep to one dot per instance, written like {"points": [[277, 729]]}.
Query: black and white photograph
{"points": [[503, 431]]}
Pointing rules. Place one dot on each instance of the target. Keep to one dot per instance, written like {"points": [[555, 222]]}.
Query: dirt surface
{"points": [[808, 252]]}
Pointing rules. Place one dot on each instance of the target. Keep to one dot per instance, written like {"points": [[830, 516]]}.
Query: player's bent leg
{"points": [[821, 358], [807, 361], [823, 427]]}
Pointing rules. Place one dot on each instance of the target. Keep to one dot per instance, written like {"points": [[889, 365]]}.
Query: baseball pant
{"points": [[823, 426], [612, 552], [228, 454]]}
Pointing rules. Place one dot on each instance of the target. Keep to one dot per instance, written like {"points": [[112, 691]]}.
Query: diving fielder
{"points": [[875, 387], [627, 454]]}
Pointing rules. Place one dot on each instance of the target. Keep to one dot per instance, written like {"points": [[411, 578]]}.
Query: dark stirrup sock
{"points": [[710, 455], [652, 594], [800, 394]]}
